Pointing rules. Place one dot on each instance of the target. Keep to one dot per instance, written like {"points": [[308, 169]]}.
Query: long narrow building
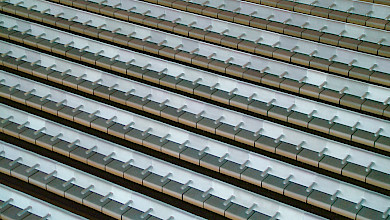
{"points": [[198, 109]]}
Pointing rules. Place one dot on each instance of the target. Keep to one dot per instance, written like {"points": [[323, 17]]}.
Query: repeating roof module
{"points": [[173, 109]]}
